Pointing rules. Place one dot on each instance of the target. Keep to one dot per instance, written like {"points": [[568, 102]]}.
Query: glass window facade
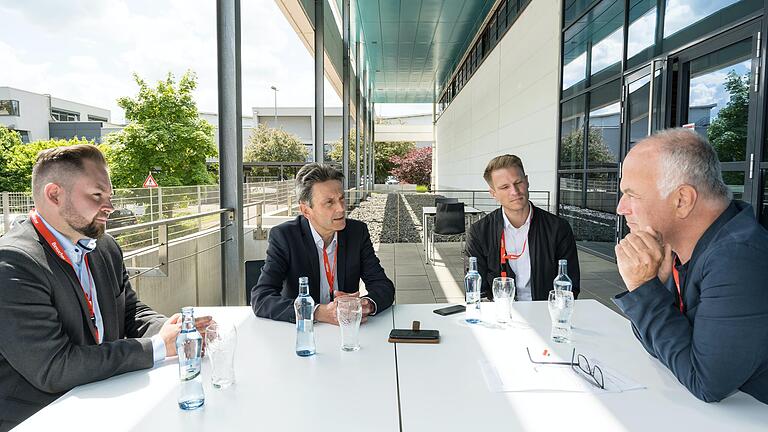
{"points": [[9, 107], [630, 67]]}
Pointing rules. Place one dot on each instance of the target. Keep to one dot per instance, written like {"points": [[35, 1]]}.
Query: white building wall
{"points": [[82, 109], [33, 110], [508, 106]]}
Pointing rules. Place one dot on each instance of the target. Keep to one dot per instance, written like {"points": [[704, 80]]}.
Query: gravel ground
{"points": [[395, 218]]}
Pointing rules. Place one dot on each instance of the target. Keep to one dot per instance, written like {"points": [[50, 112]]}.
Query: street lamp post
{"points": [[275, 89]]}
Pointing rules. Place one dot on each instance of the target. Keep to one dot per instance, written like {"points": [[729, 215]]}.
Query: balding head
{"points": [[682, 156]]}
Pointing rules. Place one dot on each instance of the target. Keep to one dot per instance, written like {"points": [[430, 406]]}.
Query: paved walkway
{"points": [[417, 282]]}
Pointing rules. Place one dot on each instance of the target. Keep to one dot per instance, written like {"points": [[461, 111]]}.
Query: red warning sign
{"points": [[150, 182]]}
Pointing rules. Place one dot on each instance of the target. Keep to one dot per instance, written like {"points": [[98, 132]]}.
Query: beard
{"points": [[91, 229]]}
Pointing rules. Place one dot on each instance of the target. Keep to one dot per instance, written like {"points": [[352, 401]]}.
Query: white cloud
{"points": [[87, 50]]}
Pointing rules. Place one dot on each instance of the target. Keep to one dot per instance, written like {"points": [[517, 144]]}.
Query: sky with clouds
{"points": [[87, 50]]}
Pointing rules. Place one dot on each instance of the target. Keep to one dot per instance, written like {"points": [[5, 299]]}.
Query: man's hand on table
{"points": [[327, 312], [170, 330], [642, 256]]}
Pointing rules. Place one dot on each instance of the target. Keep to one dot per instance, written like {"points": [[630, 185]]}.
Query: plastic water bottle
{"points": [[562, 281], [305, 315], [472, 285], [189, 346]]}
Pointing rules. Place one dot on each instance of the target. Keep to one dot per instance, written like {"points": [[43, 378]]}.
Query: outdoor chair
{"points": [[449, 220]]}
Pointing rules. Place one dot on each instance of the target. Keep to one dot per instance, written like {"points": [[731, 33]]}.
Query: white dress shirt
{"points": [[325, 294], [514, 239]]}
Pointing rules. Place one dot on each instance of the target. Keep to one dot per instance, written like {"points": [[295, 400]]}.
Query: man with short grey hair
{"points": [[694, 265], [334, 252]]}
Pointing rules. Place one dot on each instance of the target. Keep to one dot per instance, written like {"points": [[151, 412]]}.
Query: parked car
{"points": [[392, 180], [120, 218]]}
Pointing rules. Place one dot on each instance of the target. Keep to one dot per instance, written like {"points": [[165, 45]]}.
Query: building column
{"points": [[230, 151], [319, 82], [345, 95]]}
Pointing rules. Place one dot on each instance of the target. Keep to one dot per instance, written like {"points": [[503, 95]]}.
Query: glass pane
{"points": [[571, 190], [597, 229], [682, 13], [572, 134], [574, 8], [718, 103], [637, 107], [608, 51], [735, 182], [642, 27], [604, 126]]}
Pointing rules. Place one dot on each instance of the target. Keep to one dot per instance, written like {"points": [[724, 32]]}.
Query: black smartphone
{"points": [[450, 310], [408, 335]]}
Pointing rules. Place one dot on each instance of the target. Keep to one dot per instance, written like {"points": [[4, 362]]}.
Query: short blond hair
{"points": [[502, 162]]}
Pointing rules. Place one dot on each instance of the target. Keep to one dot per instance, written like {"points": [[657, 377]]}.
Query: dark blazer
{"points": [[550, 239], [47, 341], [292, 253], [720, 344]]}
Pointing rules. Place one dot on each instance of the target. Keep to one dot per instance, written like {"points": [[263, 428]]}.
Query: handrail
{"points": [[157, 223]]}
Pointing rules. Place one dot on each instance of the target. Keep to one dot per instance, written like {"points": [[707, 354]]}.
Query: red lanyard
{"points": [[676, 277], [511, 256], [49, 237], [330, 275]]}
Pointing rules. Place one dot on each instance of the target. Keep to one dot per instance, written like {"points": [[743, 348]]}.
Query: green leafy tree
{"points": [[384, 154], [728, 131], [165, 134], [18, 160], [9, 140], [274, 145], [572, 149]]}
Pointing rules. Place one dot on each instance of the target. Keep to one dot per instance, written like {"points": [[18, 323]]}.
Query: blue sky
{"points": [[87, 50]]}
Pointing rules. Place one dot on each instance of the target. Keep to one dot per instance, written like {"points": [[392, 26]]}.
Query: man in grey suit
{"points": [[68, 314], [695, 268]]}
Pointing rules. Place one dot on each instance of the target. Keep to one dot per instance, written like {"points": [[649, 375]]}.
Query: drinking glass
{"points": [[220, 344], [503, 296], [349, 311], [560, 310]]}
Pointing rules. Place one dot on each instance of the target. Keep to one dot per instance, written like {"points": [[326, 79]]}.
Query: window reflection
{"points": [[642, 32], [608, 51], [572, 134], [680, 14], [575, 71]]}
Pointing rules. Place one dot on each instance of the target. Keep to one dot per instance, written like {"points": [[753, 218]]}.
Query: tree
{"points": [[572, 150], [165, 134], [415, 167], [18, 160], [274, 145], [383, 154], [9, 139], [728, 131]]}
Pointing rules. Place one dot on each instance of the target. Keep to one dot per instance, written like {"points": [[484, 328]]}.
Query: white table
{"points": [[435, 388], [428, 213], [275, 389], [442, 387]]}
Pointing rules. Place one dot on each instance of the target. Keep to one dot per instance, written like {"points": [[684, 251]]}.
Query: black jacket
{"points": [[550, 239], [47, 343], [292, 253]]}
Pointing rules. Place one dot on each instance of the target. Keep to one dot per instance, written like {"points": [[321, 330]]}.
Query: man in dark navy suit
{"points": [[335, 253], [695, 268]]}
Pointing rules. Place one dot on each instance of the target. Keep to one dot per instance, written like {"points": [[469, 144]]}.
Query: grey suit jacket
{"points": [[47, 340]]}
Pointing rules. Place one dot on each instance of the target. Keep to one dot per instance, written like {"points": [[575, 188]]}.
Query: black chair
{"points": [[252, 273], [449, 220], [439, 200]]}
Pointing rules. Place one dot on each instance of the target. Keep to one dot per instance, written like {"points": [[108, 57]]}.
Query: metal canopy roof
{"points": [[412, 46]]}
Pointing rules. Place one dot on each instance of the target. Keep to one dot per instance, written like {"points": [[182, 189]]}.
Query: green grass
{"points": [[422, 188]]}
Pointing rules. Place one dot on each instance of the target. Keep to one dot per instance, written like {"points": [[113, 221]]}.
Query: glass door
{"points": [[716, 95]]}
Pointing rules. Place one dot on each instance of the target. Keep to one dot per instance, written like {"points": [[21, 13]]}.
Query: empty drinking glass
{"points": [[561, 310], [220, 344], [503, 296], [349, 311]]}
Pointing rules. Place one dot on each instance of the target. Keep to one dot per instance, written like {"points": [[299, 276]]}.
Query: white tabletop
{"points": [[275, 389], [442, 387], [433, 210]]}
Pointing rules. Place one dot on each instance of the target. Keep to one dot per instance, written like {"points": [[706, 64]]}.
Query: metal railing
{"points": [[482, 199]]}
